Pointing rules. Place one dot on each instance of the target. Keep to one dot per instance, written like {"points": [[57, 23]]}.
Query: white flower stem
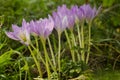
{"points": [[59, 49], [52, 54], [36, 62], [71, 50], [79, 38], [82, 43], [89, 42], [46, 58]]}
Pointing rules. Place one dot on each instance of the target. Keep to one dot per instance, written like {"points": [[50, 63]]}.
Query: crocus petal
{"points": [[71, 20], [51, 24], [11, 35], [15, 28], [24, 23], [64, 22], [57, 22]]}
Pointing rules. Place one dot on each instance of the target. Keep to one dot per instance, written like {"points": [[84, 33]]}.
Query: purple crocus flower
{"points": [[60, 19], [77, 13], [21, 34], [71, 19], [42, 27], [84, 12], [63, 18], [89, 12]]}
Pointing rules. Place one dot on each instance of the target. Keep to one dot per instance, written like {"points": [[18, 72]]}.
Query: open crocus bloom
{"points": [[42, 27], [21, 34]]}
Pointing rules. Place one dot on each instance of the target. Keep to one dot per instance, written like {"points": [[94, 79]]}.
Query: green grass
{"points": [[107, 75]]}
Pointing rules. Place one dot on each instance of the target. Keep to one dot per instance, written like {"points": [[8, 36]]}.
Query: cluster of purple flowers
{"points": [[60, 20]]}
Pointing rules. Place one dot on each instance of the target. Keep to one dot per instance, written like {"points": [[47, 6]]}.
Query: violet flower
{"points": [[21, 34], [84, 12], [42, 27], [77, 13], [63, 18], [71, 20], [89, 12]]}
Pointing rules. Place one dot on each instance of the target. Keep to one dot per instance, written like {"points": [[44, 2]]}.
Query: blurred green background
{"points": [[105, 31]]}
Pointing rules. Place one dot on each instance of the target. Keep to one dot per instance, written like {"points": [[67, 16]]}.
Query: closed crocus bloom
{"points": [[34, 30], [60, 19], [61, 23], [62, 11], [42, 27], [89, 12], [78, 13], [21, 34], [63, 18], [66, 14]]}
